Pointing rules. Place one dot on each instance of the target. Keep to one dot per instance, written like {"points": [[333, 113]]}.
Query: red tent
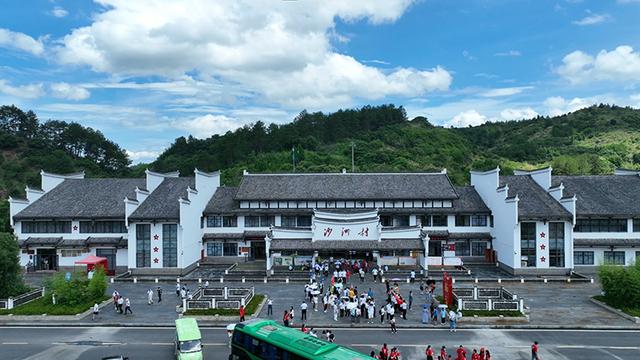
{"points": [[92, 261]]}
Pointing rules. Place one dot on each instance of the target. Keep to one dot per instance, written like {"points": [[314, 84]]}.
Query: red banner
{"points": [[447, 289]]}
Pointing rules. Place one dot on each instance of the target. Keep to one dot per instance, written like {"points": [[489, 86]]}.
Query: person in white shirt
{"points": [[413, 276], [375, 274], [149, 297], [96, 310], [270, 307], [127, 307], [303, 311]]}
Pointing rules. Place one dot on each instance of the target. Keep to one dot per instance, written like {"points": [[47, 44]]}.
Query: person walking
{"points": [[452, 321], [285, 318], [159, 291], [120, 303], [384, 352], [336, 311], [178, 289], [149, 297], [534, 351], [127, 307], [382, 314], [374, 272], [403, 307], [475, 355], [395, 354], [96, 310], [392, 323], [429, 352], [241, 312], [270, 307], [410, 298], [303, 311], [461, 353], [443, 352]]}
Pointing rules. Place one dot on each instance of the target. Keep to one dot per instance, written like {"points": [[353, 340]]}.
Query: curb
{"points": [[620, 313]]}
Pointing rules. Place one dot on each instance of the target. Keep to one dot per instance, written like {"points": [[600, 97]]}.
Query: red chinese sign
{"points": [[447, 289]]}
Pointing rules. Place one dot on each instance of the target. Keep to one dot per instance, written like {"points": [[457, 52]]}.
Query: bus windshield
{"points": [[190, 346]]}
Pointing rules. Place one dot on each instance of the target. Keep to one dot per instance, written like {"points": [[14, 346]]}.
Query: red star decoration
{"points": [[542, 259], [156, 260], [155, 249], [75, 227], [542, 247], [156, 237], [542, 234]]}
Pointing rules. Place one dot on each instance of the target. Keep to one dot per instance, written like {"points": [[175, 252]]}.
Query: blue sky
{"points": [[145, 72]]}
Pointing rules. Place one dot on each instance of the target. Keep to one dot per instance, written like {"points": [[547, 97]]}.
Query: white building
{"points": [[531, 222]]}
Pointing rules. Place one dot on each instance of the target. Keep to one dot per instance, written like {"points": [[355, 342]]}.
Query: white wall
{"points": [[505, 216]]}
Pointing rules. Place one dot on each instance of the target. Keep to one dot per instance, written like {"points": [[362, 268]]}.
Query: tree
{"points": [[11, 282]]}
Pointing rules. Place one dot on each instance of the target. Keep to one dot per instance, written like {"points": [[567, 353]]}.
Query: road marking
{"points": [[15, 343], [597, 347], [58, 343], [156, 343]]}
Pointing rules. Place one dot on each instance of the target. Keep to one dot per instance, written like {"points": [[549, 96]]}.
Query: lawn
{"points": [[626, 310], [43, 305], [251, 308]]}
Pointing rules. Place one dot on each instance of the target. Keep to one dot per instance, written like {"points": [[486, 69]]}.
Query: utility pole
{"points": [[353, 161]]}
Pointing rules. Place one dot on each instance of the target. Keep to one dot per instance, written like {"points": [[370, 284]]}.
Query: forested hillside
{"points": [[28, 145], [590, 141]]}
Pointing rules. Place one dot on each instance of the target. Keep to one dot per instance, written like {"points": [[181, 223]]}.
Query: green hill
{"points": [[590, 141]]}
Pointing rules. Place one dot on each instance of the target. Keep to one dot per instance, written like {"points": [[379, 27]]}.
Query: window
{"points": [[463, 220], [479, 220], [439, 220], [229, 221], [435, 248], [386, 220], [601, 225], [252, 221], [289, 221], [71, 253], [230, 249], [214, 221], [462, 248], [169, 245], [102, 227], [528, 243], [583, 258], [478, 248], [636, 225], [304, 220], [143, 245], [46, 227], [425, 220], [614, 257], [401, 220], [556, 244], [214, 249]]}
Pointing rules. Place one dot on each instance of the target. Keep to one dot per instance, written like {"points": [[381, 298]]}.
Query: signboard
{"points": [[244, 250], [447, 289], [348, 226]]}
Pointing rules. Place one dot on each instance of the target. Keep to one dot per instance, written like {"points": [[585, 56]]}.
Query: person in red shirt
{"points": [[384, 352], [395, 354], [482, 353], [241, 313], [443, 352], [429, 352], [534, 351], [487, 355], [475, 355], [462, 353], [304, 329]]}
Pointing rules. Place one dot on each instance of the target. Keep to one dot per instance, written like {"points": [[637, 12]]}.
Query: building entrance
{"points": [[258, 251], [46, 259]]}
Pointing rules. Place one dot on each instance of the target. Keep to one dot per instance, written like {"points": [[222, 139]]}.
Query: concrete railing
{"points": [[12, 302], [219, 298], [493, 299]]}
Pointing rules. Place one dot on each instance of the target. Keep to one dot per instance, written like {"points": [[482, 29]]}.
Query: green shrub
{"points": [[11, 282], [79, 289], [98, 284], [621, 285]]}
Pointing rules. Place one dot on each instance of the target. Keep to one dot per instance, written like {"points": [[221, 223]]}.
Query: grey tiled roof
{"points": [[42, 241], [163, 201], [603, 195], [71, 243], [457, 235], [217, 236], [222, 201], [606, 242], [535, 203], [115, 240], [469, 201], [350, 186], [304, 244], [83, 199]]}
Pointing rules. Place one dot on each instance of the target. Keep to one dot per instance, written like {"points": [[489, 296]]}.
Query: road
{"points": [[157, 343]]}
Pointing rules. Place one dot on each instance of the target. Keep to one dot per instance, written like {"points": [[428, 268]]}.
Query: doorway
{"points": [[110, 254], [258, 251], [46, 260]]}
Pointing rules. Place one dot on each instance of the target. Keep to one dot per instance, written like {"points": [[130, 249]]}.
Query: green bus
{"points": [[188, 344], [268, 340]]}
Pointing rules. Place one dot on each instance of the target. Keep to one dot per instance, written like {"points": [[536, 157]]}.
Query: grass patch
{"points": [[43, 305], [626, 310], [251, 308]]}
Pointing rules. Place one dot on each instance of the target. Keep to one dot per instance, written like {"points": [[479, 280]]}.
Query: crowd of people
{"points": [[459, 354]]}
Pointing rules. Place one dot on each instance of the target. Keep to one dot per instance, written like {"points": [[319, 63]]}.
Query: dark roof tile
{"points": [[603, 195], [534, 203], [163, 201]]}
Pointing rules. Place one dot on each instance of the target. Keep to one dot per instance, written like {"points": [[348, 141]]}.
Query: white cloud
{"points": [[518, 113], [557, 105], [268, 49], [204, 126], [621, 64], [592, 19], [31, 91], [508, 91], [59, 12], [142, 156], [509, 53], [468, 118], [19, 41], [68, 91]]}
